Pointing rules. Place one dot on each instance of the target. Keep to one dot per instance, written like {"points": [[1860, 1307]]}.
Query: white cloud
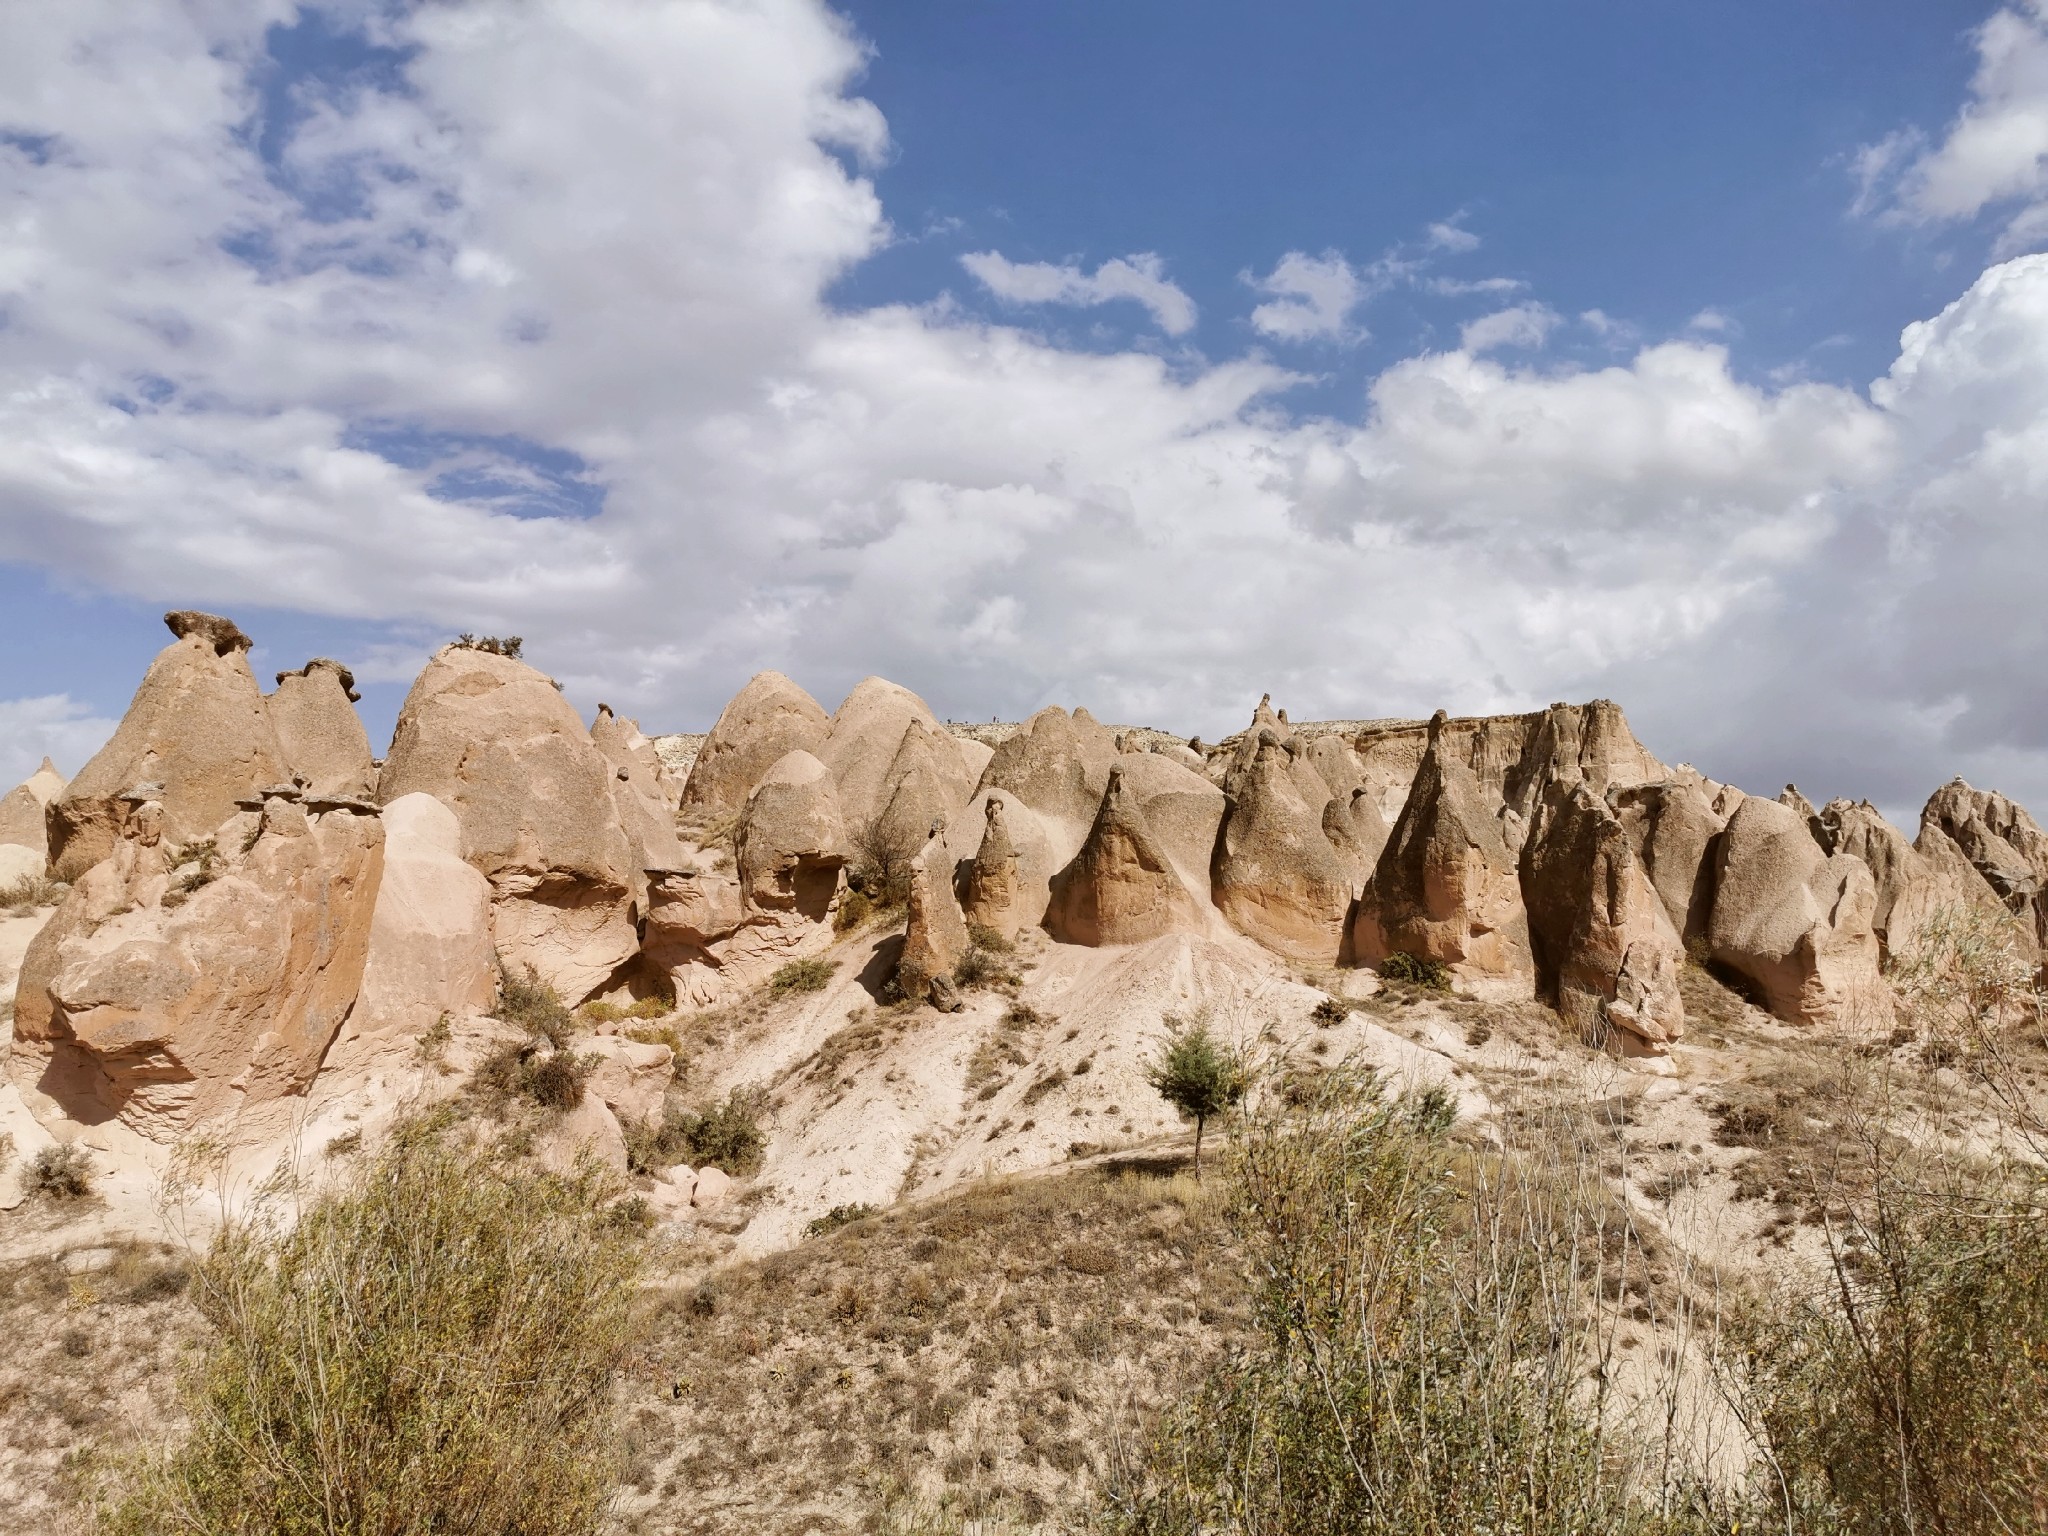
{"points": [[1453, 287], [1996, 149], [1141, 277], [52, 725], [1711, 322], [1313, 297], [1450, 237], [1520, 325], [610, 231]]}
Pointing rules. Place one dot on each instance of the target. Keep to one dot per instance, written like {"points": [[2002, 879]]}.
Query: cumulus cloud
{"points": [[1141, 278], [51, 725], [1520, 325], [527, 331], [1996, 149], [1313, 298], [1451, 236]]}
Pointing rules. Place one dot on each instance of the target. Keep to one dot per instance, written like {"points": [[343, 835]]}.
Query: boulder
{"points": [[1795, 921], [766, 720], [1606, 951], [1446, 887], [1279, 880], [713, 1187], [322, 737], [430, 931], [1671, 825], [688, 912], [935, 936], [793, 842], [638, 795], [168, 992], [1121, 888], [629, 1077], [197, 726], [497, 743]]}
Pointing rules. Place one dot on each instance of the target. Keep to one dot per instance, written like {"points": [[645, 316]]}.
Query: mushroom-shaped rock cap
{"points": [[342, 675], [223, 635], [318, 729]]}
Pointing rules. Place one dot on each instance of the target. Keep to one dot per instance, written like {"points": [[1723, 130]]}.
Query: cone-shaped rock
{"points": [[1446, 887], [1606, 950], [1356, 829], [197, 726], [1574, 743], [495, 741], [24, 824], [1009, 883], [793, 842], [1795, 921], [1912, 887], [322, 736], [768, 718], [863, 749], [637, 794], [1058, 765], [168, 995], [935, 936], [1121, 888], [1279, 880]]}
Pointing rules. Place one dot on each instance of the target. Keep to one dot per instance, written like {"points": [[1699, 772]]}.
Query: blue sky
{"points": [[1135, 355]]}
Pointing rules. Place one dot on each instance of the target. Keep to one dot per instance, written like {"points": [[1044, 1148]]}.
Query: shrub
{"points": [[1433, 975], [553, 1079], [840, 1216], [598, 1011], [982, 967], [880, 870], [983, 937], [727, 1135], [508, 646], [534, 1006], [1328, 1012], [429, 1347], [654, 1144], [1199, 1076], [1421, 1361], [812, 975], [854, 908], [62, 1171], [23, 896]]}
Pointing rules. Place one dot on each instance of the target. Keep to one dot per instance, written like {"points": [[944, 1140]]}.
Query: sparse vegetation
{"points": [[880, 871], [429, 1347], [508, 646], [195, 863], [1430, 975], [598, 1011], [1198, 1075], [61, 1171], [811, 975], [24, 896], [840, 1216], [726, 1134], [1328, 1012], [534, 1006], [983, 968], [527, 1069]]}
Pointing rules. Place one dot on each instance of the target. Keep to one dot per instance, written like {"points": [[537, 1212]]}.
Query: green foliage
{"points": [[1198, 1075], [61, 1171], [429, 1347], [1329, 1011], [855, 907], [880, 870], [983, 937], [197, 861], [725, 1135], [534, 1006], [508, 646], [553, 1079], [598, 1011], [1432, 975], [840, 1216], [812, 975], [982, 967], [655, 1144], [1420, 1363]]}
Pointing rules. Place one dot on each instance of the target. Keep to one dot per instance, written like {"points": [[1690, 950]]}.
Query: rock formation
{"points": [[24, 825], [318, 730], [1795, 921], [197, 726], [1279, 879], [1358, 832], [767, 719], [1607, 953], [935, 935], [1009, 882], [1446, 887], [1058, 765], [430, 931], [170, 990], [1911, 886], [864, 742], [2001, 842], [497, 743], [793, 842], [1121, 888], [638, 795], [1672, 826]]}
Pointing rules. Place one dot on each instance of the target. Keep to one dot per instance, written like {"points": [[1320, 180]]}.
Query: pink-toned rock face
{"points": [[769, 717], [1606, 951], [496, 742], [166, 995], [322, 737], [1279, 879], [430, 934], [1796, 922], [1447, 886], [865, 750], [935, 935], [1122, 887], [197, 727]]}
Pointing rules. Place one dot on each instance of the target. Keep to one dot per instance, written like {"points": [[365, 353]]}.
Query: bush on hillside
{"points": [[812, 975], [534, 1006], [61, 1171], [1431, 975], [726, 1135], [430, 1347]]}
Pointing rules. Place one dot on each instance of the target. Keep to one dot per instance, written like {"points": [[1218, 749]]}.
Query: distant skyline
{"points": [[1142, 356]]}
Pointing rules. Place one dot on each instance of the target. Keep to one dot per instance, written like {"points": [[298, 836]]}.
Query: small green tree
{"points": [[1199, 1076]]}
